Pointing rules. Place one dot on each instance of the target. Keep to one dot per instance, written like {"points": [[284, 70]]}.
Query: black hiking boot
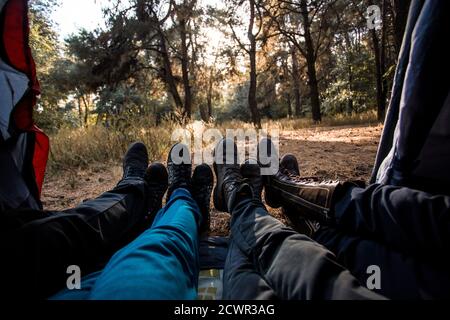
{"points": [[135, 161], [229, 181], [251, 172], [310, 198], [289, 164], [135, 165], [157, 181], [202, 185], [179, 166]]}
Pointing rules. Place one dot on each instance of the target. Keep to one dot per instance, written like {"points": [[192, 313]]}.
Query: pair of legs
{"points": [[38, 247], [266, 259], [401, 232]]}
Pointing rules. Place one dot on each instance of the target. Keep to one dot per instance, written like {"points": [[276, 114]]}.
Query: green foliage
{"points": [[356, 95], [46, 50], [155, 53]]}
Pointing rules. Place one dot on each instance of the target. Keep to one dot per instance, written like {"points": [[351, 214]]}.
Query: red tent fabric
{"points": [[16, 53]]}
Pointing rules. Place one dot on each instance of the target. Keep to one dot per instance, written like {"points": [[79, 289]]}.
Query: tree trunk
{"points": [[311, 64], [86, 110], [185, 70], [289, 106], [350, 88], [168, 74], [296, 82], [349, 74], [378, 74], [203, 112], [252, 103], [379, 53], [383, 61], [209, 96], [400, 8], [80, 111], [99, 117]]}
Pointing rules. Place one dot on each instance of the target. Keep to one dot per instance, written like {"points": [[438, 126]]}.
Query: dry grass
{"points": [[82, 147]]}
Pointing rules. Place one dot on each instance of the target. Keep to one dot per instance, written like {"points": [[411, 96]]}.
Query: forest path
{"points": [[329, 152]]}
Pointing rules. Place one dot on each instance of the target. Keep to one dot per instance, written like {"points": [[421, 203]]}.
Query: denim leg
{"points": [[162, 263]]}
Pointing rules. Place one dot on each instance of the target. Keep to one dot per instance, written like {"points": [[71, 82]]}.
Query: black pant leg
{"points": [[36, 255], [293, 265], [402, 276], [241, 279], [411, 221]]}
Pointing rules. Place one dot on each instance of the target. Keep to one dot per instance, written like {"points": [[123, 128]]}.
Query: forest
{"points": [[214, 61]]}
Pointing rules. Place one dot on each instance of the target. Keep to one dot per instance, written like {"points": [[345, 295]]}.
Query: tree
{"points": [[296, 81], [400, 11], [45, 49], [306, 24], [254, 34]]}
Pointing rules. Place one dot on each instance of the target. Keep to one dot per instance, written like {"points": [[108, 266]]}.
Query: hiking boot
{"points": [[179, 166], [157, 181], [251, 172], [229, 181], [289, 164], [202, 185], [156, 178], [135, 161], [310, 198]]}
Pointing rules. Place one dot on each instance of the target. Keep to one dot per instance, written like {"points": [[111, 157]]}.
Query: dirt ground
{"points": [[328, 152]]}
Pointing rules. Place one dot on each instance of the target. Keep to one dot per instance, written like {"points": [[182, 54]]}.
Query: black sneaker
{"points": [[202, 185], [179, 166], [135, 161], [251, 171], [229, 181], [157, 181]]}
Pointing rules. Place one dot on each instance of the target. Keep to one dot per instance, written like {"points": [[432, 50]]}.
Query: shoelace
{"points": [[132, 171], [181, 173], [155, 200], [296, 178]]}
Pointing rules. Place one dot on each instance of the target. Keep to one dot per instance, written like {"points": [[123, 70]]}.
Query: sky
{"points": [[75, 14], [72, 15]]}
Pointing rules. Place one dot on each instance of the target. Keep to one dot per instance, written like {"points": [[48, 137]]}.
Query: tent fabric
{"points": [[19, 89], [14, 191], [411, 151], [14, 84]]}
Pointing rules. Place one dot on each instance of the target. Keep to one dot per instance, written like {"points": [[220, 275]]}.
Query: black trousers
{"points": [[267, 260], [405, 232], [37, 247]]}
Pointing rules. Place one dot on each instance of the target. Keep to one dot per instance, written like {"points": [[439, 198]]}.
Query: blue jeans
{"points": [[161, 264]]}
